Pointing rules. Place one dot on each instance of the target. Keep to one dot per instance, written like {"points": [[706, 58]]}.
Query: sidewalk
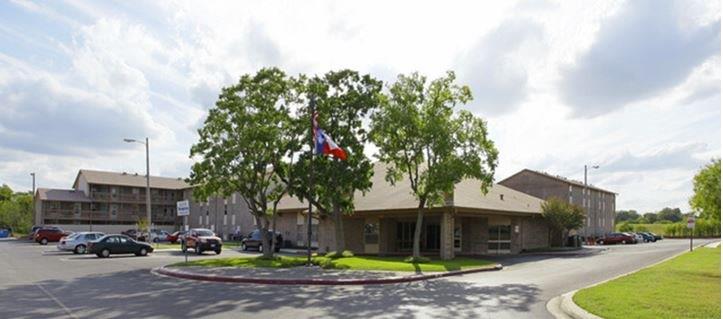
{"points": [[305, 275]]}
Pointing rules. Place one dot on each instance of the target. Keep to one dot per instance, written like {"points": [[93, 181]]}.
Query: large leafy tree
{"points": [[706, 188], [16, 209], [343, 99], [562, 216], [672, 214], [423, 140], [244, 142], [626, 215]]}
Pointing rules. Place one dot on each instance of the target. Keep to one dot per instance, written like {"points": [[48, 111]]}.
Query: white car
{"points": [[78, 242], [158, 235]]}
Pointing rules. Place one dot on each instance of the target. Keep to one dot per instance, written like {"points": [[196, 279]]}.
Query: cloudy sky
{"points": [[631, 86]]}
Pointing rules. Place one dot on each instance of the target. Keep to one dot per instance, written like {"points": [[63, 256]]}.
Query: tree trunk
{"points": [[265, 240], [418, 231], [273, 233], [338, 229]]}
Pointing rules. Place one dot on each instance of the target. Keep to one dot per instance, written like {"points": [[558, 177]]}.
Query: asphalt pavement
{"points": [[40, 282]]}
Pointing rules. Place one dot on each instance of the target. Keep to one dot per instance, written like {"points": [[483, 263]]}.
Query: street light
{"points": [[586, 198], [148, 183], [33, 175]]}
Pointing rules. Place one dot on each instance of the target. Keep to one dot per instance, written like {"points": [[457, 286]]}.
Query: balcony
{"points": [[85, 214], [133, 198]]}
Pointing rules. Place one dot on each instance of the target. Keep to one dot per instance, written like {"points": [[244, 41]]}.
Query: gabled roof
{"points": [[559, 178], [467, 194], [126, 179], [62, 195]]}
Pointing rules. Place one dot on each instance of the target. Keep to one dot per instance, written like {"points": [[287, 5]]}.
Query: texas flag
{"points": [[324, 144]]}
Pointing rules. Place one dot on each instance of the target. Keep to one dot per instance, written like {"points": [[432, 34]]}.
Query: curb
{"points": [[590, 251], [570, 309], [325, 282]]}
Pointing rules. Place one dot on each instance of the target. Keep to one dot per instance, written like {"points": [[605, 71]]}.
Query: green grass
{"points": [[352, 263], [687, 286]]}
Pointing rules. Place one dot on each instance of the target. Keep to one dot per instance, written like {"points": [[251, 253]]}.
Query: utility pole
{"points": [[34, 213], [586, 201], [312, 106], [148, 183]]}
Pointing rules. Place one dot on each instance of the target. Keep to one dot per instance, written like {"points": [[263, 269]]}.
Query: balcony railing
{"points": [[133, 198], [85, 214]]}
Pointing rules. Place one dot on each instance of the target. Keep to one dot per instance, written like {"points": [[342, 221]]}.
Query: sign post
{"points": [[691, 226], [184, 209]]}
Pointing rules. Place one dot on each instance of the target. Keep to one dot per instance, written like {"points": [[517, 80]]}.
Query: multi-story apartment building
{"points": [[110, 201], [598, 203]]}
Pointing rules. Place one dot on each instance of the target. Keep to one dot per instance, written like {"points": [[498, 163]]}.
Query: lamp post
{"points": [[33, 175], [586, 199], [148, 183]]}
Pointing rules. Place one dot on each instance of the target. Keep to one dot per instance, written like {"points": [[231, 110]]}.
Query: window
{"points": [[200, 220], [371, 233], [233, 220], [122, 240], [225, 218]]}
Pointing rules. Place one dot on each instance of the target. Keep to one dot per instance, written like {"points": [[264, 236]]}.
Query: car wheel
{"points": [[44, 241], [144, 252], [624, 242], [198, 249], [600, 242], [218, 251], [155, 240], [105, 253], [80, 249], [261, 248], [244, 248], [277, 250]]}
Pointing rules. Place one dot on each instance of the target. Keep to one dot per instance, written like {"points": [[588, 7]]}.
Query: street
{"points": [[39, 282]]}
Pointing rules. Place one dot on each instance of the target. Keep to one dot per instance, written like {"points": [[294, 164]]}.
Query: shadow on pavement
{"points": [[138, 294]]}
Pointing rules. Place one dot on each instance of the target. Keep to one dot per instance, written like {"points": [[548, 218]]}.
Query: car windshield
{"points": [[202, 232]]}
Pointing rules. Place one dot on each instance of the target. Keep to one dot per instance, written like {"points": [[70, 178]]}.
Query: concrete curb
{"points": [[165, 271], [571, 310]]}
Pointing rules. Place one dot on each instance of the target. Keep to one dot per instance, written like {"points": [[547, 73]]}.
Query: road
{"points": [[38, 282]]}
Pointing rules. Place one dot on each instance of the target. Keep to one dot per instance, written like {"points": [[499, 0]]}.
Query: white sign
{"points": [[691, 222], [183, 208]]}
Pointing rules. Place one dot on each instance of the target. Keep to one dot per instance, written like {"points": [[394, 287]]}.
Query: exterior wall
{"points": [[534, 233], [223, 215], [600, 208], [474, 235]]}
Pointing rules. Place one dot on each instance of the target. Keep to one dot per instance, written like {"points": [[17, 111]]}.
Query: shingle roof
{"points": [[62, 195], [133, 180], [467, 194], [560, 178]]}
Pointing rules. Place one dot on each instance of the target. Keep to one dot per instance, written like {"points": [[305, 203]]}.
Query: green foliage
{"points": [[664, 221], [687, 286], [625, 227], [640, 228], [562, 216], [142, 224], [706, 187], [16, 210], [244, 141], [703, 228], [423, 140], [626, 215], [347, 253], [671, 214], [650, 218]]}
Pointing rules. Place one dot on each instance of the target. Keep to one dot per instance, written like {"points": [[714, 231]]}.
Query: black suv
{"points": [[253, 241]]}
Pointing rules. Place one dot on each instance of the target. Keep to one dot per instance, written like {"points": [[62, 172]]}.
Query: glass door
{"points": [[500, 239]]}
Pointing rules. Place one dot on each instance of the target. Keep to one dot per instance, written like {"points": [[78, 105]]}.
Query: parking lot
{"points": [[39, 282]]}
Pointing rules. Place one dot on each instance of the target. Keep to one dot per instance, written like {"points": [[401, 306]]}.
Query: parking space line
{"points": [[60, 304]]}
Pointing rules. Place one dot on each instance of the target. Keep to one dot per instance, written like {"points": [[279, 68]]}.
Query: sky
{"points": [[633, 87]]}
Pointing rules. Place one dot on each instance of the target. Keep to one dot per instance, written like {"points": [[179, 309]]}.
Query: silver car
{"points": [[78, 242]]}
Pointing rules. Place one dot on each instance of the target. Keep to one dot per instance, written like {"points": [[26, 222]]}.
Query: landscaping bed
{"points": [[687, 286], [350, 263]]}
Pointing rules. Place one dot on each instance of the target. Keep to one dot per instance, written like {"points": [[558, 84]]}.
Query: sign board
{"points": [[182, 208], [691, 222]]}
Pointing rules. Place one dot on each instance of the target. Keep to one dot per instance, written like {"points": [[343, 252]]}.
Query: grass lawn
{"points": [[687, 286], [353, 263]]}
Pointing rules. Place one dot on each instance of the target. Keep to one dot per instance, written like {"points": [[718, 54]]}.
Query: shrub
{"points": [[332, 254], [663, 221], [640, 228], [625, 227], [347, 253], [416, 260]]}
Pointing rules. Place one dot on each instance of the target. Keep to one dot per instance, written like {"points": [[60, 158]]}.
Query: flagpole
{"points": [[312, 106]]}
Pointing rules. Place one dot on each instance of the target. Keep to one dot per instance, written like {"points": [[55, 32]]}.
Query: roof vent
{"points": [[502, 196]]}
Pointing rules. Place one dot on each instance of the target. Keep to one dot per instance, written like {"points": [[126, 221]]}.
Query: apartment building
{"points": [[598, 203], [110, 201]]}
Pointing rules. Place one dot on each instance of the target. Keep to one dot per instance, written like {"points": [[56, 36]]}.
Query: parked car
{"points": [[175, 236], [656, 236], [254, 241], [33, 229], [48, 234], [78, 242], [158, 235], [638, 238], [132, 233], [118, 244], [200, 240], [615, 238], [647, 237]]}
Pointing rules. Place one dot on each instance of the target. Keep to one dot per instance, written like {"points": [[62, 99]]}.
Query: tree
{"points": [[5, 192], [626, 215], [343, 99], [243, 144], [650, 218], [706, 191], [423, 140], [671, 214], [562, 216]]}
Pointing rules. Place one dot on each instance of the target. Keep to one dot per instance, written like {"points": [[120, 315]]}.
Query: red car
{"points": [[201, 239], [173, 238], [616, 238], [48, 234]]}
